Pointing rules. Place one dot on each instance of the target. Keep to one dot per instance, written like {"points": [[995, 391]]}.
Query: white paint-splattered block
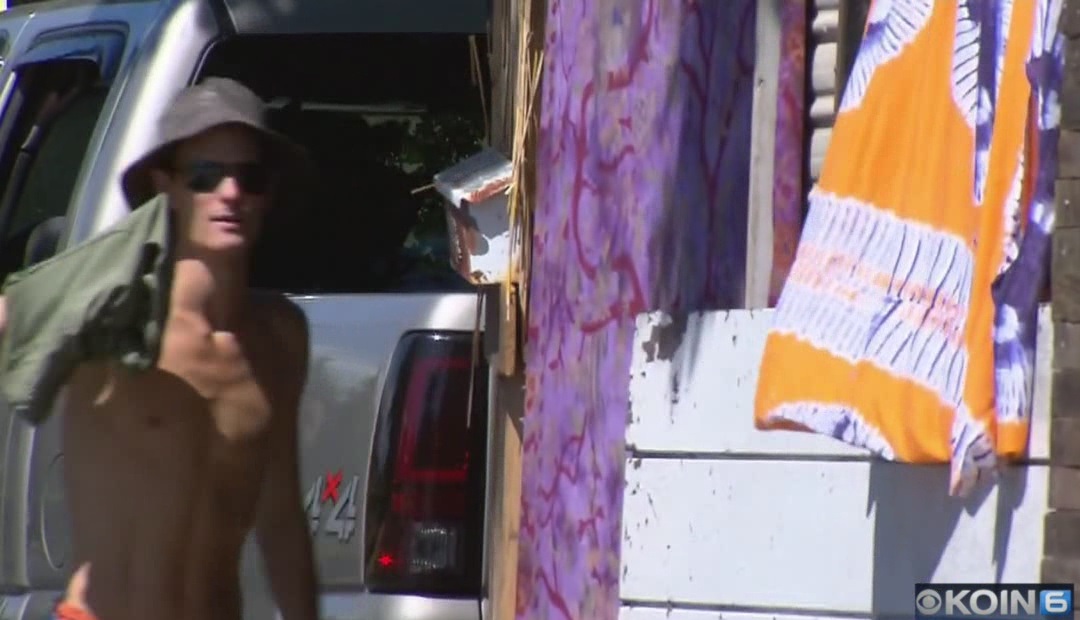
{"points": [[476, 215], [826, 537], [692, 388]]}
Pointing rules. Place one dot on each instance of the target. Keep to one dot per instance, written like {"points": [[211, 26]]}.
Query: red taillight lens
{"points": [[425, 505]]}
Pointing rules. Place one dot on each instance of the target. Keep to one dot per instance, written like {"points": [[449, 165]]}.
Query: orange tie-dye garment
{"points": [[884, 332]]}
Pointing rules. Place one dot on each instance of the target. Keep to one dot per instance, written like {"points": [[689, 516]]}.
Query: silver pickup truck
{"points": [[393, 436]]}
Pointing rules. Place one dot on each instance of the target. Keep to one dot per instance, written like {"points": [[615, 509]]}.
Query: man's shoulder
{"points": [[278, 307], [283, 328], [287, 322]]}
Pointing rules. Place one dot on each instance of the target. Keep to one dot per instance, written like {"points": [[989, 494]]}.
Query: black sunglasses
{"points": [[205, 176]]}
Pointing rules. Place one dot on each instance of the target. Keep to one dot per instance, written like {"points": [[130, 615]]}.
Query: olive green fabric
{"points": [[106, 298]]}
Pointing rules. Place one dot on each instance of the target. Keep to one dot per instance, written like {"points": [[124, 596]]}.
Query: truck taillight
{"points": [[425, 508]]}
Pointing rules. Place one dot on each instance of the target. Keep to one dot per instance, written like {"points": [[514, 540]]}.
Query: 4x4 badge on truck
{"points": [[342, 500]]}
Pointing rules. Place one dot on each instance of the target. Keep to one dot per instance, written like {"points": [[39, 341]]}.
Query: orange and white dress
{"points": [[884, 334]]}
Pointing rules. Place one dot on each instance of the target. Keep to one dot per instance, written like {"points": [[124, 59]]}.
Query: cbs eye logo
{"points": [[928, 602]]}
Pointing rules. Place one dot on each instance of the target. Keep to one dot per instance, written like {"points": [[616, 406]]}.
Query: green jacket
{"points": [[104, 298]]}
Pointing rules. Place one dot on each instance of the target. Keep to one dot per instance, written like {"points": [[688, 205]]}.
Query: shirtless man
{"points": [[169, 469]]}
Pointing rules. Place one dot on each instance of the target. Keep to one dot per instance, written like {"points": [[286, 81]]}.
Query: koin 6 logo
{"points": [[341, 521], [1056, 602], [996, 600], [928, 602]]}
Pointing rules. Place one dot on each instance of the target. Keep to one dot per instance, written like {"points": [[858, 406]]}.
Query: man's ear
{"points": [[161, 179]]}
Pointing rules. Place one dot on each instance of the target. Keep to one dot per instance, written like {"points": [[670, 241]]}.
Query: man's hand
{"points": [[281, 526], [3, 315]]}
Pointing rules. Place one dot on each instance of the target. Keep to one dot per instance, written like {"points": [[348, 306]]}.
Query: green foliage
{"points": [[421, 148]]}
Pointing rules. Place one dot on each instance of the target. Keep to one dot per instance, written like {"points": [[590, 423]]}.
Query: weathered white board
{"points": [[720, 519], [819, 536], [699, 397]]}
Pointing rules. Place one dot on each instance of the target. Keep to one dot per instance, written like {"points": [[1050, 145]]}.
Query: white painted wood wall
{"points": [[721, 520]]}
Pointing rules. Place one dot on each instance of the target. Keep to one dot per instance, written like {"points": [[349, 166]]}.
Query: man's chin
{"points": [[227, 244]]}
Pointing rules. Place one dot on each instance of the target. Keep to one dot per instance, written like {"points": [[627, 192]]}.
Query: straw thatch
{"points": [[522, 188]]}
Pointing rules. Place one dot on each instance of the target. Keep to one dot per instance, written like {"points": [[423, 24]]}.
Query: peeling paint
{"points": [[665, 338]]}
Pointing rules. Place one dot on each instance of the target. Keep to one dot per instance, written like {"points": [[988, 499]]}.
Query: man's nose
{"points": [[229, 188]]}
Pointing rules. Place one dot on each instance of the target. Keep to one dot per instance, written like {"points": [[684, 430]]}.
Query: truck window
{"points": [[43, 142], [380, 114]]}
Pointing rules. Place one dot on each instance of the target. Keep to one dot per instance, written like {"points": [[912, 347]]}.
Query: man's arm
{"points": [[281, 526]]}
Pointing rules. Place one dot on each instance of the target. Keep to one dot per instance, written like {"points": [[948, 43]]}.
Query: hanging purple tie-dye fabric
{"points": [[1016, 291], [643, 162]]}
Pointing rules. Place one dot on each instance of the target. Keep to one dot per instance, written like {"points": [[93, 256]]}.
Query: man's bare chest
{"points": [[229, 374]]}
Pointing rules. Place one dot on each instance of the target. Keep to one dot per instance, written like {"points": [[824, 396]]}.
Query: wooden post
{"points": [[759, 242], [1061, 544], [503, 59], [504, 327], [504, 502]]}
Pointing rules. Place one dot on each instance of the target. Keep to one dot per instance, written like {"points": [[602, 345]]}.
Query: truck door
{"points": [[55, 85]]}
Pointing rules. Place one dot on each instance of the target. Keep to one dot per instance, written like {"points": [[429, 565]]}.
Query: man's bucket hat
{"points": [[213, 102]]}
